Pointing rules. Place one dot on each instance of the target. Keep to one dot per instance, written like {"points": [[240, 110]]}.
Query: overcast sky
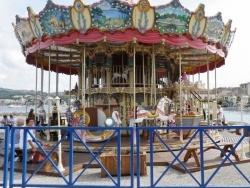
{"points": [[15, 73]]}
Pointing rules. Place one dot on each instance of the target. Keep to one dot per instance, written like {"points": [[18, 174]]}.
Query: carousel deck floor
{"points": [[161, 157]]}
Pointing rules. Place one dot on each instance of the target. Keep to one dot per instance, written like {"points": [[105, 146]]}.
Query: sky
{"points": [[17, 74]]}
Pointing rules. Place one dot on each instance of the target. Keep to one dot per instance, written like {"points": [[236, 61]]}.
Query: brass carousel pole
{"points": [[152, 80], [135, 110], [41, 93], [215, 76], [42, 80], [84, 76], [36, 89], [143, 75], [154, 75], [49, 73], [57, 74], [70, 81], [214, 116], [199, 106], [134, 81], [180, 95], [83, 89], [208, 93], [49, 100]]}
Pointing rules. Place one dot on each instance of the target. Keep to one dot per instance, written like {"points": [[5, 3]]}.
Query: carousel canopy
{"points": [[58, 37]]}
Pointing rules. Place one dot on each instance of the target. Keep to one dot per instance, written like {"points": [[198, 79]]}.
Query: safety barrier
{"points": [[157, 176]]}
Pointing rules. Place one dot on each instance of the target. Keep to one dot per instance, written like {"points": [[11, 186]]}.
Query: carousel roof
{"points": [[62, 35]]}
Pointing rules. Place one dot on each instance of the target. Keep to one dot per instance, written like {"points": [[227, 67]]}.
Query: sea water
{"points": [[236, 116], [18, 109]]}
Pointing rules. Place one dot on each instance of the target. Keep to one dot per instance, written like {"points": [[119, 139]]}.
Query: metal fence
{"points": [[163, 175]]}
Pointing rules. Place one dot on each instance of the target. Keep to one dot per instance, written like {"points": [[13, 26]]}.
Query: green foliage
{"points": [[238, 99], [224, 103], [219, 101]]}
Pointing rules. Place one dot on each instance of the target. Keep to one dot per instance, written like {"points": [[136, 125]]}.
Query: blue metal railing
{"points": [[76, 179], [5, 152], [202, 181]]}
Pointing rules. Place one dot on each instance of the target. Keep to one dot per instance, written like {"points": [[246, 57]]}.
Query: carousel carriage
{"points": [[134, 55]]}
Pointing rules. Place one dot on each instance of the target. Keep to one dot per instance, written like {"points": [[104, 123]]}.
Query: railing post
{"points": [[201, 130]]}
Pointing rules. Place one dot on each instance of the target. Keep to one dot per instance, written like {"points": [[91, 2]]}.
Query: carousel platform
{"points": [[161, 157]]}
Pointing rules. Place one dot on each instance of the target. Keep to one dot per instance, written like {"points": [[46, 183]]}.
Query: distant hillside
{"points": [[10, 93]]}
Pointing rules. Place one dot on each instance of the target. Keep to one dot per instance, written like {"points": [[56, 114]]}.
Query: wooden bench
{"points": [[192, 151], [54, 157]]}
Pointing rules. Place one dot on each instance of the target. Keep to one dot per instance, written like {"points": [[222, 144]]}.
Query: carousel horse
{"points": [[141, 114], [123, 75], [164, 108], [161, 113]]}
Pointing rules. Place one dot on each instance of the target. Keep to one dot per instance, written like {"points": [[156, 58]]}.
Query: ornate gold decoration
{"points": [[79, 114], [143, 6], [79, 6]]}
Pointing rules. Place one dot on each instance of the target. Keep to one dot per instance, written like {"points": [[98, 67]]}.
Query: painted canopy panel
{"points": [[55, 19], [197, 23], [115, 15], [172, 18], [111, 15], [80, 17], [214, 28], [24, 31], [110, 26], [143, 16]]}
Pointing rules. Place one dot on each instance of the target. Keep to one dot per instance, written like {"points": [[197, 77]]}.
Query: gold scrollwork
{"points": [[78, 115], [199, 14], [79, 6], [143, 6]]}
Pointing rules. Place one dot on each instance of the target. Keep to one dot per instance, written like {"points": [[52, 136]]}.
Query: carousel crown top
{"points": [[63, 35]]}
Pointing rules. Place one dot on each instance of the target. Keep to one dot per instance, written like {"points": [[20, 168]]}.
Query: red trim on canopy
{"points": [[31, 60], [211, 66], [150, 37]]}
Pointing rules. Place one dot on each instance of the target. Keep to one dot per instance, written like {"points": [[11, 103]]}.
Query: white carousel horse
{"points": [[162, 113], [164, 109], [141, 114], [123, 75]]}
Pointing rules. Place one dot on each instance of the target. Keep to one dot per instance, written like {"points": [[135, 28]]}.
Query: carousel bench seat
{"points": [[226, 147]]}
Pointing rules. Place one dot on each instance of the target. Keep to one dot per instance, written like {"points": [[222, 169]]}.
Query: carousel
{"points": [[130, 58]]}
